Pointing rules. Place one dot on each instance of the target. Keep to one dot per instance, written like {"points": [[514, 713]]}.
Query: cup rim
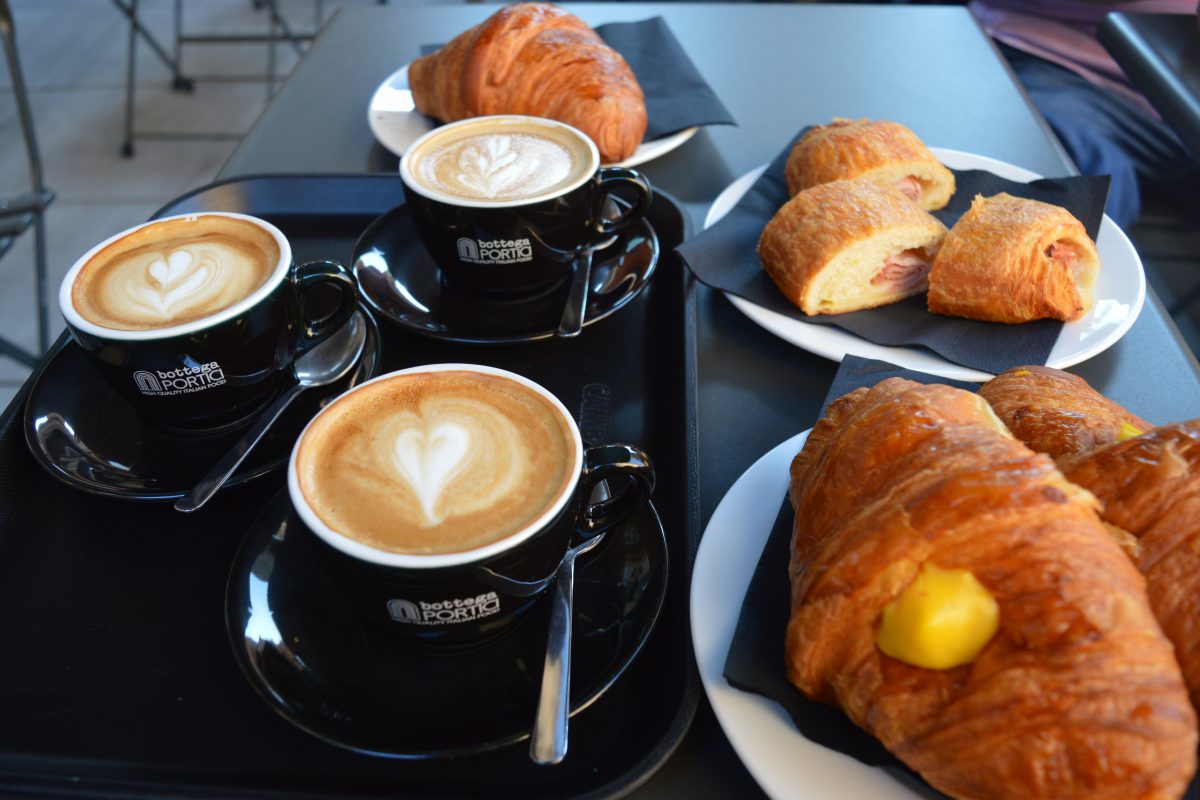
{"points": [[424, 561], [454, 200], [75, 320]]}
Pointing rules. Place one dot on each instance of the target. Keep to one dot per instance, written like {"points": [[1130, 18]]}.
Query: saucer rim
{"points": [[551, 330], [239, 478], [265, 691]]}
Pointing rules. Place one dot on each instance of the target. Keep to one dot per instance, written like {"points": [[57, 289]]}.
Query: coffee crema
{"points": [[174, 272], [501, 161], [436, 462]]}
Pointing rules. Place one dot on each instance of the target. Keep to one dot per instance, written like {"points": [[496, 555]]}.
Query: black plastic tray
{"points": [[116, 676]]}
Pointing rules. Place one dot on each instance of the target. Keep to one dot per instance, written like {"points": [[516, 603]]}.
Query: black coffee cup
{"points": [[450, 601], [523, 243], [215, 371]]}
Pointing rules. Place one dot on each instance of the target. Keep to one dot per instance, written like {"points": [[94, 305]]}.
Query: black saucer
{"points": [[400, 281], [342, 679], [83, 433]]}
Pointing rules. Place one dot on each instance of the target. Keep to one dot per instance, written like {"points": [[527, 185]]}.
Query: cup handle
{"points": [[615, 461], [315, 273], [610, 179]]}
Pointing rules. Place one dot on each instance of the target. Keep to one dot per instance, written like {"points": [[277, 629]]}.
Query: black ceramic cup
{"points": [[215, 371], [459, 600], [513, 245]]}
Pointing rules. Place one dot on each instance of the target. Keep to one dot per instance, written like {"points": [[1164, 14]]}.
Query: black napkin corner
{"points": [[725, 257]]}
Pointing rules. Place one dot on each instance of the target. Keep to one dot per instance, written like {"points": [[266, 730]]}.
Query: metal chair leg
{"points": [[39, 260], [127, 147]]}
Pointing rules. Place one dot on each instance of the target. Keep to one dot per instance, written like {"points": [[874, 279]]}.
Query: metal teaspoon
{"points": [[548, 744], [322, 365]]}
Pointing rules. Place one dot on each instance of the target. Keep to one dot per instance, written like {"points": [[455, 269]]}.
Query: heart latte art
{"points": [[500, 162], [436, 462], [174, 272]]}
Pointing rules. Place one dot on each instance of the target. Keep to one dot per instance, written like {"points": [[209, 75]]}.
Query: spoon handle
{"points": [[203, 491], [576, 308], [549, 741]]}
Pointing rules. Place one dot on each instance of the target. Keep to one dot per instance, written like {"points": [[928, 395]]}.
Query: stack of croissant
{"points": [[1003, 587]]}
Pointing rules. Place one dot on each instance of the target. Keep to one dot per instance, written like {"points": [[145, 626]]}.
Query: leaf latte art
{"points": [[174, 272], [436, 462], [499, 165]]}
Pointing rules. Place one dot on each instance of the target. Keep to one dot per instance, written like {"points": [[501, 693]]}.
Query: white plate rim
{"points": [[835, 343], [396, 129], [784, 763]]}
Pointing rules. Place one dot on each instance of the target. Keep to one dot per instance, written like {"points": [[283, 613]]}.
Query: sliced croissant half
{"points": [[848, 245]]}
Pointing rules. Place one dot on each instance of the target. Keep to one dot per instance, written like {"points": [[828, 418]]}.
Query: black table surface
{"points": [[777, 68], [1161, 55]]}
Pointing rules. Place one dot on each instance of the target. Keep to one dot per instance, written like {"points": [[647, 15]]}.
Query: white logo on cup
{"points": [[185, 380], [445, 612], [467, 249], [495, 251]]}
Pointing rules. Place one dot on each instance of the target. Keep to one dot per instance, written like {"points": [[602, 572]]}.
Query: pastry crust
{"points": [[1057, 413], [995, 263], [884, 152], [539, 60], [829, 248], [1150, 486], [1077, 695]]}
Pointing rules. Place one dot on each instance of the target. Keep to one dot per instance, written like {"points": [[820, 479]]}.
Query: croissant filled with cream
{"points": [[540, 60], [1147, 480], [1057, 413], [883, 152], [847, 245], [960, 600], [1009, 259]]}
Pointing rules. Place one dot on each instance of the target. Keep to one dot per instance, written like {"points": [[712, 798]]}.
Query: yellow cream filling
{"points": [[942, 620]]}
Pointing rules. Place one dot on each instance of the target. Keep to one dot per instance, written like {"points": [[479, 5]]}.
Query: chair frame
{"points": [[20, 213]]}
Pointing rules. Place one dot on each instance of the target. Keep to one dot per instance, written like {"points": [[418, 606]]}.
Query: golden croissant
{"points": [[535, 59], [1057, 413], [1073, 692], [1148, 481]]}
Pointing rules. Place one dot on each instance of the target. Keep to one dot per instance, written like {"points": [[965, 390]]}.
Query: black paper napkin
{"points": [[755, 662], [677, 96], [725, 257]]}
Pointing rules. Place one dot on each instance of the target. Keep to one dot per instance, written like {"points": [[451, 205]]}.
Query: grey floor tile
{"points": [[80, 134]]}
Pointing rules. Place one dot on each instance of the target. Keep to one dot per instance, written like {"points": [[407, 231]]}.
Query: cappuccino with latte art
{"points": [[173, 272], [437, 462], [501, 161]]}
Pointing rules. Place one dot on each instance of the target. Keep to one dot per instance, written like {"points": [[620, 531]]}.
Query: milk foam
{"points": [[498, 166], [436, 462], [173, 273]]}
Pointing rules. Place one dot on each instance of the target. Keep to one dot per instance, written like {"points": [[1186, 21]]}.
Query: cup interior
{"points": [[410, 561], [76, 320], [579, 142]]}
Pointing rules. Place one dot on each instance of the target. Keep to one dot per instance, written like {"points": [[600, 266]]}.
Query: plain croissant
{"points": [[1075, 695], [535, 59]]}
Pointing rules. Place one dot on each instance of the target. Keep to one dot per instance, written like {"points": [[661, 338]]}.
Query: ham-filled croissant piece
{"points": [[960, 600], [848, 245], [535, 59], [1057, 413], [884, 152], [1009, 259]]}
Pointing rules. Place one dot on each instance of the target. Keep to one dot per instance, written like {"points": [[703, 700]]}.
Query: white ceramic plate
{"points": [[1120, 292], [396, 123], [785, 764]]}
